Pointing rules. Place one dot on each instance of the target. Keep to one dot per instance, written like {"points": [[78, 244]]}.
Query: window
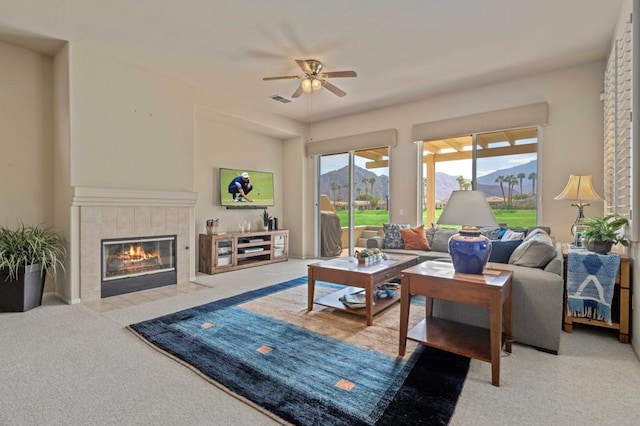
{"points": [[618, 149], [501, 164]]}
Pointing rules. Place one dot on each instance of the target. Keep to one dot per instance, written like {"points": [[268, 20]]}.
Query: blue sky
{"points": [[335, 162], [452, 168], [485, 165]]}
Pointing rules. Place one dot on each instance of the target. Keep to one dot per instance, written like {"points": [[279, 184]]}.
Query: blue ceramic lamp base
{"points": [[469, 251]]}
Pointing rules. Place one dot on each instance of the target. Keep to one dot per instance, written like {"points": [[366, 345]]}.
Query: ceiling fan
{"points": [[314, 79]]}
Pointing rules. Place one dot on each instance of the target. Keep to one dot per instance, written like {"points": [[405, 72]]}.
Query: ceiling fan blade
{"points": [[283, 77], [332, 88], [304, 66], [298, 92], [333, 74]]}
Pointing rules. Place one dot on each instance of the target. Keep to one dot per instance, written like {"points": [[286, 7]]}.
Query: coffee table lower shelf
{"points": [[455, 337], [333, 301]]}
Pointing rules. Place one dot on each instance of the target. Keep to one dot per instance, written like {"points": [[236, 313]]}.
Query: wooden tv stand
{"points": [[230, 251]]}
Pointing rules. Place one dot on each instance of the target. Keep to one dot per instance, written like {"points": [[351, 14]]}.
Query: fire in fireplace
{"points": [[135, 264]]}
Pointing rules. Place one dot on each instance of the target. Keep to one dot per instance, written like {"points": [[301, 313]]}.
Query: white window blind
{"points": [[617, 126]]}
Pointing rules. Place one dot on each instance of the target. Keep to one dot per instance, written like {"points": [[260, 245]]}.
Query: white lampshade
{"points": [[306, 85], [316, 84], [579, 188], [466, 208]]}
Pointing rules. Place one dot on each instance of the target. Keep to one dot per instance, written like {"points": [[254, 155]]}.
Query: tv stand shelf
{"points": [[237, 250]]}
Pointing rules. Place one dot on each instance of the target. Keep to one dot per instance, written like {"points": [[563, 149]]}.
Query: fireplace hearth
{"points": [[134, 264]]}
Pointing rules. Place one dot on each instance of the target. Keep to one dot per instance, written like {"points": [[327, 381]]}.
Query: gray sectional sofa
{"points": [[538, 292]]}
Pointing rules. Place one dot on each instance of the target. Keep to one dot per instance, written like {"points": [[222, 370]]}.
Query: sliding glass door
{"points": [[353, 203]]}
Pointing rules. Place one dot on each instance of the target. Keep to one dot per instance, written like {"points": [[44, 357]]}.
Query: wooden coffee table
{"points": [[438, 280], [343, 271]]}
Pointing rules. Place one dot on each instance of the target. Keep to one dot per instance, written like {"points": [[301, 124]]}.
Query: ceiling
{"points": [[402, 50]]}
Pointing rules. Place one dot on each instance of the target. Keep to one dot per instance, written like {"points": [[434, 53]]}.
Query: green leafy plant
{"points": [[29, 245], [265, 217], [605, 228]]}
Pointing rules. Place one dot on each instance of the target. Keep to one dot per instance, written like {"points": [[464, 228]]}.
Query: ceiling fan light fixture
{"points": [[313, 79], [306, 85]]}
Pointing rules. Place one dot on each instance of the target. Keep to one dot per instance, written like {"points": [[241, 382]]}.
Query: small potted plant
{"points": [[27, 254], [266, 219], [601, 233]]}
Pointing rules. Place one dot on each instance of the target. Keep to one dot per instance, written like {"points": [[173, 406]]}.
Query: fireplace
{"points": [[134, 264]]}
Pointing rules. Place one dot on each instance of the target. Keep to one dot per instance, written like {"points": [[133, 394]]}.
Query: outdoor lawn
{"points": [[512, 218]]}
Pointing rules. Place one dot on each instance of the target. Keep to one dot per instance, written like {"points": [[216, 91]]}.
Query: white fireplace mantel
{"points": [[86, 196]]}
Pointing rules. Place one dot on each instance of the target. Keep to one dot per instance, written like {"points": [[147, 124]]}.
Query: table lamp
{"points": [[580, 189], [469, 249]]}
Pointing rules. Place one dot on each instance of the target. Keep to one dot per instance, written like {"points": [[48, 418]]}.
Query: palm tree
{"points": [[460, 180], [365, 181], [532, 177], [511, 182], [366, 188], [500, 180], [334, 188], [372, 180], [520, 177]]}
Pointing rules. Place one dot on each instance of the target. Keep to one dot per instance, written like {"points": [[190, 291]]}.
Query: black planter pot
{"points": [[23, 293], [600, 247]]}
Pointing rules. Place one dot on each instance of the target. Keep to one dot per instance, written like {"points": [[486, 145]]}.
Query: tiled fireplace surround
{"points": [[109, 213]]}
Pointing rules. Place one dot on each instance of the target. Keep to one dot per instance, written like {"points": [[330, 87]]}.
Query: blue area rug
{"points": [[304, 377]]}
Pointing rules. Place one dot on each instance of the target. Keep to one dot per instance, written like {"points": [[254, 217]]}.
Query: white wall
{"points": [[244, 127], [132, 128], [26, 189], [61, 159], [571, 142], [219, 144]]}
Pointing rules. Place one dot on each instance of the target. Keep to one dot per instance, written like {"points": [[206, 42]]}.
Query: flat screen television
{"points": [[261, 188]]}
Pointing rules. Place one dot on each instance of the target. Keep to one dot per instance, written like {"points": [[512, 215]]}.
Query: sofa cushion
{"points": [[544, 228], [535, 252], [392, 237], [501, 250], [414, 238], [511, 235], [438, 238]]}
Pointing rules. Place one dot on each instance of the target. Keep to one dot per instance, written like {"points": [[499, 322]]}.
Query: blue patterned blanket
{"points": [[591, 278]]}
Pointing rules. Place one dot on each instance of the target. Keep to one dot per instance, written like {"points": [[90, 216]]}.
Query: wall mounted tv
{"points": [[261, 193]]}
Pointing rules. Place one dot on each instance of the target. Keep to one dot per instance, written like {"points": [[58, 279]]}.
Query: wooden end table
{"points": [[342, 271], [438, 280]]}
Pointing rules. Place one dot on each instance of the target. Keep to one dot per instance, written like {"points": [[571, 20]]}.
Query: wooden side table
{"points": [[621, 301], [341, 271], [491, 290]]}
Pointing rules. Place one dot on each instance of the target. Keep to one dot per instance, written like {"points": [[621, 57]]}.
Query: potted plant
{"points": [[27, 254], [265, 219], [602, 232]]}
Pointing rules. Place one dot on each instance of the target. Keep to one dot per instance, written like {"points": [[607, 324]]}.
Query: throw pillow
{"points": [[536, 252], [491, 232], [535, 231], [415, 238], [503, 230], [440, 240], [512, 235], [392, 237], [430, 233], [501, 250]]}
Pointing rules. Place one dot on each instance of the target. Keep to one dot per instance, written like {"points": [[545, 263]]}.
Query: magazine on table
{"points": [[354, 300]]}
